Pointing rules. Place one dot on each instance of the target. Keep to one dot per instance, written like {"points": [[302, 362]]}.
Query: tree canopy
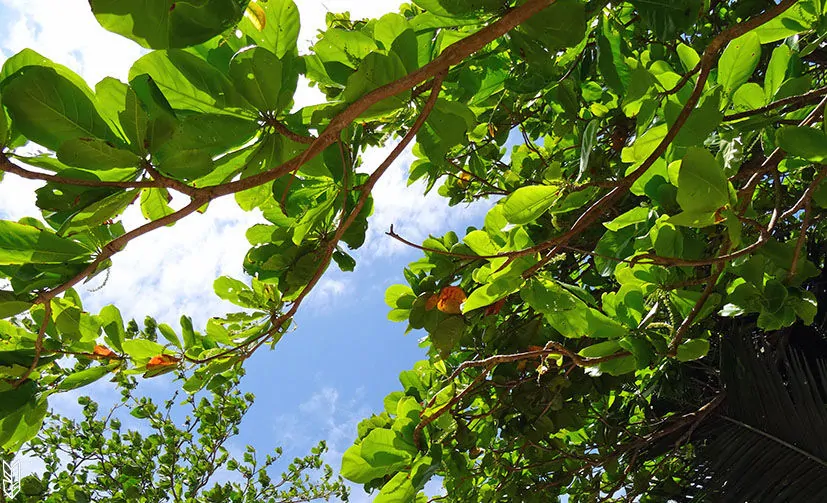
{"points": [[656, 172]]}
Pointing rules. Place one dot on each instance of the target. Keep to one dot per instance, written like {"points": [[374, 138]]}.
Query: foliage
{"points": [[657, 169], [93, 459]]}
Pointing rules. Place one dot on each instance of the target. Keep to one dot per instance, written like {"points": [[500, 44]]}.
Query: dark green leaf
{"points": [[49, 109], [163, 24], [24, 244]]}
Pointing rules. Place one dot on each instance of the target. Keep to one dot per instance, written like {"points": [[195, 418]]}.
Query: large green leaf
{"points": [[95, 154], [398, 489], [25, 244], [28, 57], [198, 139], [141, 350], [805, 142], [667, 18], [273, 25], [375, 71], [526, 204], [702, 184], [164, 24], [266, 81], [357, 469], [739, 61], [776, 70], [459, 8], [190, 83], [561, 25], [383, 447], [86, 376], [22, 425], [49, 109], [567, 313]]}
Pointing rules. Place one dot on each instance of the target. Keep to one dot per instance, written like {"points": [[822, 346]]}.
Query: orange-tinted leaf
{"points": [[162, 361], [495, 308], [450, 300], [431, 302], [103, 352]]}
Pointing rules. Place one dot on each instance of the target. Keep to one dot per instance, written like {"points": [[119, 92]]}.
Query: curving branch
{"points": [[365, 192]]}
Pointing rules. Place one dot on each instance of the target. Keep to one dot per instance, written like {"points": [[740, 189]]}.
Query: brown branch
{"points": [[344, 225], [462, 256], [281, 129], [118, 244], [417, 436], [9, 167], [805, 98], [38, 344], [696, 310]]}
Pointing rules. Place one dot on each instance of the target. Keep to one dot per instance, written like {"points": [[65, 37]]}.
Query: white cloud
{"points": [[412, 214], [325, 415], [67, 32]]}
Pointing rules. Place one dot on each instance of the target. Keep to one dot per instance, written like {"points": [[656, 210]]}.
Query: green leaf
{"points": [[689, 57], [797, 19], [135, 121], [347, 48], [279, 30], [645, 144], [587, 146], [189, 153], [399, 296], [561, 25], [805, 142], [702, 121], [162, 24], [110, 96], [702, 184], [398, 489], [748, 97], [776, 70], [267, 82], [693, 350], [567, 313], [99, 212], [190, 83], [155, 203], [356, 469], [22, 425], [739, 61], [112, 323], [631, 217], [95, 154], [141, 350], [49, 109], [235, 291], [600, 349], [187, 332], [318, 214], [345, 262], [25, 244], [375, 71], [86, 377], [384, 447], [667, 18], [446, 336], [4, 126], [459, 8], [169, 334], [526, 204]]}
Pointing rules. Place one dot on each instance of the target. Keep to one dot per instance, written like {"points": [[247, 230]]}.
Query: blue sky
{"points": [[344, 356]]}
